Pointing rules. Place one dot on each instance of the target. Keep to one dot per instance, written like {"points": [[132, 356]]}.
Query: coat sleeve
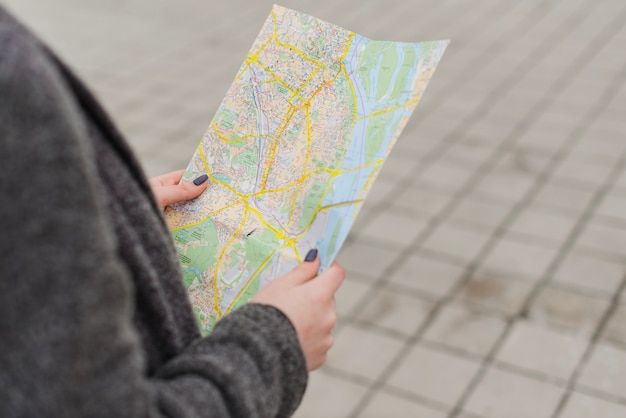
{"points": [[68, 346]]}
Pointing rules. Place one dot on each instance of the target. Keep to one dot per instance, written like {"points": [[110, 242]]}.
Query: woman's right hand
{"points": [[308, 301]]}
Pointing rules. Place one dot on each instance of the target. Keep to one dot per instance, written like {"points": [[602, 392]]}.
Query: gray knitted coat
{"points": [[94, 320]]}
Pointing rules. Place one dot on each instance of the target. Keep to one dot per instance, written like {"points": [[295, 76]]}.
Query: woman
{"points": [[94, 319]]}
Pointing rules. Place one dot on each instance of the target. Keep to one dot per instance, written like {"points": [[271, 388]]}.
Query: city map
{"points": [[291, 154]]}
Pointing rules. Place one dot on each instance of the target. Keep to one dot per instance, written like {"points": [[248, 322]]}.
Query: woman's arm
{"points": [[68, 346]]}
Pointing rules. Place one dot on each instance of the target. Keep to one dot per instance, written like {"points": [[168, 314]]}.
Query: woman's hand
{"points": [[309, 302], [167, 188]]}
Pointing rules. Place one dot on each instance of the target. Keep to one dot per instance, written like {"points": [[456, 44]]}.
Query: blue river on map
{"points": [[347, 187]]}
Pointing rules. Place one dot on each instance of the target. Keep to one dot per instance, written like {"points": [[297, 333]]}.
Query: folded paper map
{"points": [[291, 154]]}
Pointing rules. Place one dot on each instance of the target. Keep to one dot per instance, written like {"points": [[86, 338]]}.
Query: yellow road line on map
{"points": [[336, 205], [369, 180], [304, 176], [297, 51], [359, 167], [220, 182], [307, 113], [204, 218], [293, 48], [277, 190], [390, 109], [329, 82], [325, 84], [242, 70], [232, 141], [299, 180], [273, 74], [345, 71], [280, 235], [251, 279], [274, 147], [304, 83], [319, 207], [352, 91], [221, 256], [294, 247], [345, 51], [273, 80], [256, 54]]}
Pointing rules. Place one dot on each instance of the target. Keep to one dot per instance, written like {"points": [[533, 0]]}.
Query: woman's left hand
{"points": [[167, 188]]}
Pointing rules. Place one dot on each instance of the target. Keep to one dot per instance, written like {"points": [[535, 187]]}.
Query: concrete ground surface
{"points": [[486, 271]]}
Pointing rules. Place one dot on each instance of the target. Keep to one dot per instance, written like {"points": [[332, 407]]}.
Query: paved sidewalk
{"points": [[487, 269]]}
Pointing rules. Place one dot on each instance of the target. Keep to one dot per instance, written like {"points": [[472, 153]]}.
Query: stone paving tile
{"points": [[329, 396], [349, 295], [426, 133], [620, 185], [522, 161], [612, 207], [380, 192], [541, 139], [421, 200], [563, 196], [470, 152], [482, 212], [587, 170], [605, 371], [505, 394], [564, 307], [417, 147], [390, 406], [531, 346], [397, 167], [362, 352], [434, 375], [544, 224], [581, 405], [459, 242], [366, 260], [392, 228], [492, 291], [429, 275], [603, 238], [451, 176], [615, 330], [511, 258], [466, 329], [395, 311], [590, 273], [598, 143], [505, 186]]}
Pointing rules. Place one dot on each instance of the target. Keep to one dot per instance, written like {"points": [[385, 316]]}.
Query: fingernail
{"points": [[201, 179], [311, 255]]}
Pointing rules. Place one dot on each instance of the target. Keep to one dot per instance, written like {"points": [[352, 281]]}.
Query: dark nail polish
{"points": [[311, 255], [201, 179]]}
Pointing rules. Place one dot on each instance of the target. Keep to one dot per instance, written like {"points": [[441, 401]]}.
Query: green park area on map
{"points": [[291, 154]]}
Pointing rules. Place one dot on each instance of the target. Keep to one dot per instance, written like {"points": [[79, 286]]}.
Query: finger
{"points": [[169, 179], [332, 278], [180, 192], [304, 271]]}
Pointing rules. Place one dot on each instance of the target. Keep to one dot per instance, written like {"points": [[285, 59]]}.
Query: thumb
{"points": [[305, 271], [182, 191], [332, 278]]}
